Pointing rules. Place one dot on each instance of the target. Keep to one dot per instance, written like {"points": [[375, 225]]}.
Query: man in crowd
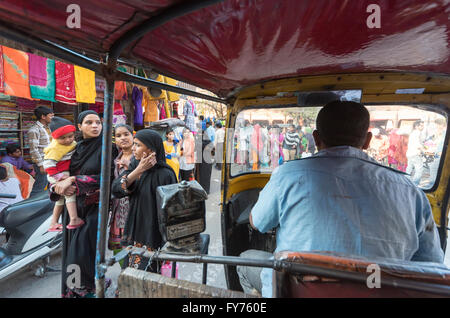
{"points": [[341, 200], [39, 138], [210, 131], [218, 144], [291, 143], [14, 157]]}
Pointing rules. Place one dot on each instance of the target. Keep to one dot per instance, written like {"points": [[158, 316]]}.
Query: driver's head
{"points": [[343, 123]]}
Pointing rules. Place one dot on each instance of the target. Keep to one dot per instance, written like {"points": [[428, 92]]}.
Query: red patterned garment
{"points": [[65, 83]]}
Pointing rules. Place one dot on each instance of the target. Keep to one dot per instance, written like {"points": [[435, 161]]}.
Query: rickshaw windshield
{"points": [[405, 138]]}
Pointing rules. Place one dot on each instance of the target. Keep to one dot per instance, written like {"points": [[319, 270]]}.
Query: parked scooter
{"points": [[29, 242]]}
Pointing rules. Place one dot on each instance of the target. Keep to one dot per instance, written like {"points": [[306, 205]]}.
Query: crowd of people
{"points": [[410, 150], [258, 146], [68, 166]]}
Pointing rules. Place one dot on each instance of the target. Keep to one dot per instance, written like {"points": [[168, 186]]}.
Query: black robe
{"points": [[82, 242], [142, 225]]}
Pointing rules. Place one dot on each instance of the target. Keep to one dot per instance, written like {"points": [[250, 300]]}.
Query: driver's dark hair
{"points": [[343, 123]]}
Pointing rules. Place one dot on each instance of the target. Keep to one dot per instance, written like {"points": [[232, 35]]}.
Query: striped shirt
{"points": [[291, 140], [39, 138]]}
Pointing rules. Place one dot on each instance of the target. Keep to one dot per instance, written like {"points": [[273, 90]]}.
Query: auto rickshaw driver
{"points": [[343, 201]]}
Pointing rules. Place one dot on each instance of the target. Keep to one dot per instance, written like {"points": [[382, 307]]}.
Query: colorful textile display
{"points": [[120, 88], [25, 105], [42, 77], [16, 72], [162, 110], [2, 73], [137, 95], [100, 86], [98, 107], [84, 85], [65, 83], [150, 107]]}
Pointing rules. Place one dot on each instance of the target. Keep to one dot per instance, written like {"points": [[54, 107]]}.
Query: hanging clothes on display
{"points": [[120, 91], [98, 107], [100, 86], [16, 71], [84, 85], [119, 116], [167, 108], [120, 88], [65, 83], [190, 113], [42, 77], [136, 96], [150, 107], [174, 107], [162, 109]]}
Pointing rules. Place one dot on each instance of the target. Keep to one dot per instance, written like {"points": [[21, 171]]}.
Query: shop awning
{"points": [[230, 44]]}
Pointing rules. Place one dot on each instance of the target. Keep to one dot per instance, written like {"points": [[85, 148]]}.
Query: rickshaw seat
{"points": [[304, 285]]}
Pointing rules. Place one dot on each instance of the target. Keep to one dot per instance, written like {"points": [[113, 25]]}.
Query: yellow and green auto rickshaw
{"points": [[274, 64]]}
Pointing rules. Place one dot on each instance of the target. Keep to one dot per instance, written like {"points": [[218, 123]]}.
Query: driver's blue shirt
{"points": [[341, 200]]}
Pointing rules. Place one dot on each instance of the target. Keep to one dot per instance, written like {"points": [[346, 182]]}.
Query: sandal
{"points": [[73, 227], [55, 228]]}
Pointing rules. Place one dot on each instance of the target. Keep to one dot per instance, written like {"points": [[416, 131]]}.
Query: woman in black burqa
{"points": [[84, 180], [148, 170]]}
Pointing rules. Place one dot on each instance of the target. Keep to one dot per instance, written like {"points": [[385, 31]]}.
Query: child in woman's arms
{"points": [[56, 164]]}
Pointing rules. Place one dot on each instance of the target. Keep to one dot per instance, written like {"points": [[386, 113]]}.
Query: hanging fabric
{"points": [[84, 85], [162, 114], [65, 83], [136, 96], [120, 88], [98, 107], [150, 107], [167, 108], [100, 86], [42, 77], [119, 116], [16, 71]]}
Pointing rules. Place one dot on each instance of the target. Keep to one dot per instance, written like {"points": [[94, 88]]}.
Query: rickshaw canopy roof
{"points": [[232, 44]]}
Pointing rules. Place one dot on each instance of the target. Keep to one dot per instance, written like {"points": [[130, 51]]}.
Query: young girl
{"points": [[124, 141], [172, 152], [146, 172], [56, 164], [187, 157]]}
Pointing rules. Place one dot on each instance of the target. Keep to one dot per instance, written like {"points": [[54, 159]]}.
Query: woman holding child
{"points": [[84, 181]]}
